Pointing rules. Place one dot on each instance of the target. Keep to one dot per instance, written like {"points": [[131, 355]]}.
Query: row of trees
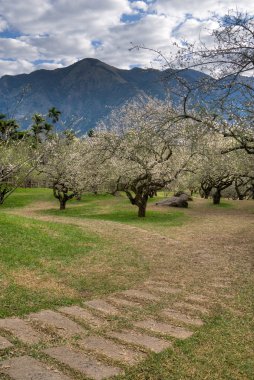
{"points": [[148, 145], [141, 149]]}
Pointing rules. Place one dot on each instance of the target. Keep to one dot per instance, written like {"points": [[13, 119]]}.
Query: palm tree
{"points": [[54, 114]]}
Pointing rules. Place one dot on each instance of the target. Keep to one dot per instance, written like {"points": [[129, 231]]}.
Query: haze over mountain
{"points": [[89, 88]]}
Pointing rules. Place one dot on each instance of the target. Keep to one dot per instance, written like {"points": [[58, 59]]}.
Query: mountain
{"points": [[89, 88]]}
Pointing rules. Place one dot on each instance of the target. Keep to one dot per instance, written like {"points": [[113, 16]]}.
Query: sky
{"points": [[49, 34]]}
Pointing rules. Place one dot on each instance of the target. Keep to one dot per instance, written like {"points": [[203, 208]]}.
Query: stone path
{"points": [[103, 306], [164, 328], [27, 368], [190, 307], [90, 343], [136, 338], [62, 325], [82, 363], [4, 343], [21, 329], [140, 294], [112, 350], [84, 315], [123, 302], [176, 315]]}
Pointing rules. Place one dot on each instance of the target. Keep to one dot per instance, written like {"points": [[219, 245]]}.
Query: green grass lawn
{"points": [[47, 264], [119, 209], [24, 197]]}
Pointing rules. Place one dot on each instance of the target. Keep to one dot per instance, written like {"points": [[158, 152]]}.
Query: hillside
{"points": [[89, 88]]}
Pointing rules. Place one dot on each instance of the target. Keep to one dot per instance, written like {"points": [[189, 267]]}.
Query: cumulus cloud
{"points": [[11, 48], [56, 33], [12, 67], [200, 9], [3, 24], [194, 30], [141, 5]]}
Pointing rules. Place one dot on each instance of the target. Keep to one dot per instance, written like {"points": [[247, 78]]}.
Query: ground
{"points": [[196, 262]]}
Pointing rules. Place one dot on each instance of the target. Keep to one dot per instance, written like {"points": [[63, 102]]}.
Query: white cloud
{"points": [[18, 66], [201, 9], [3, 24], [46, 17], [139, 5], [63, 31], [193, 30], [11, 48]]}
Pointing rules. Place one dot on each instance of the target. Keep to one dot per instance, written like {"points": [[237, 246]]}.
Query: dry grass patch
{"points": [[33, 280]]}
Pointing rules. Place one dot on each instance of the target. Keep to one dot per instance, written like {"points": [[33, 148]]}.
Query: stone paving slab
{"points": [[21, 330], [61, 324], [83, 363], [178, 316], [191, 307], [112, 350], [164, 328], [147, 341], [85, 315], [163, 289], [140, 294], [102, 306], [27, 368], [123, 302], [4, 343]]}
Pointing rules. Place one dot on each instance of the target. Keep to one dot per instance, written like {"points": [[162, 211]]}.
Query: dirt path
{"points": [[213, 244]]}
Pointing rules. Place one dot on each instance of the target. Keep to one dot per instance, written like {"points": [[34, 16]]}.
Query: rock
{"points": [[183, 195], [174, 202]]}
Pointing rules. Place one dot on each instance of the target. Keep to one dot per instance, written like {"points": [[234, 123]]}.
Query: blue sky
{"points": [[48, 34]]}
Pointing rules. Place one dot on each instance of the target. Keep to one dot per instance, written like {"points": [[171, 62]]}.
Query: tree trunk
{"points": [[238, 192], [216, 197], [1, 198], [62, 204], [142, 210]]}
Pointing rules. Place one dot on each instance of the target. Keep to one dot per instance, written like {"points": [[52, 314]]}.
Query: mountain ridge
{"points": [[88, 89]]}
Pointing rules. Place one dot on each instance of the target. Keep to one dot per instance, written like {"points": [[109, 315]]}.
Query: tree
{"points": [[22, 151], [64, 167], [54, 114], [216, 171], [142, 150], [17, 160], [223, 100], [9, 129], [43, 125]]}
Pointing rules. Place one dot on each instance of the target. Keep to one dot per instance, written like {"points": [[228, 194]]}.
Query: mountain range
{"points": [[87, 90]]}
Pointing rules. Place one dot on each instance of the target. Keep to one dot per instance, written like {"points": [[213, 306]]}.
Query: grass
{"points": [[50, 258], [223, 204], [48, 264], [118, 209], [24, 197], [217, 352]]}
